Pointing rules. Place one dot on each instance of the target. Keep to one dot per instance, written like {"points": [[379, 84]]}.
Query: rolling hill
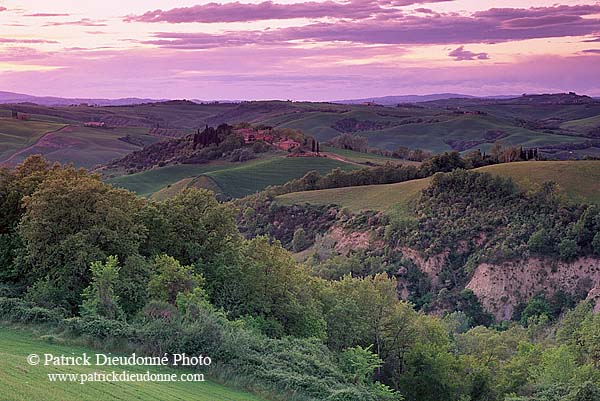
{"points": [[561, 126], [20, 381], [233, 180], [577, 181]]}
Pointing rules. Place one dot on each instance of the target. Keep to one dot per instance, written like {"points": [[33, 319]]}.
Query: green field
{"points": [[87, 147], [231, 179], [582, 124], [577, 181], [20, 381], [397, 197], [364, 158], [17, 134], [250, 178], [147, 182]]}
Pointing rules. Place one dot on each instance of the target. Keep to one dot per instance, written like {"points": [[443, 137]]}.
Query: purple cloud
{"points": [[591, 51], [46, 15], [81, 22], [460, 54], [242, 12], [491, 26]]}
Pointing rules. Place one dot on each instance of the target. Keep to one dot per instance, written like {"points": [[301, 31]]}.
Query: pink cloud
{"points": [[28, 41], [81, 22], [3, 9], [46, 15]]}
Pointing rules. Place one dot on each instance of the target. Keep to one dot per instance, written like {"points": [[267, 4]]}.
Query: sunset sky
{"points": [[312, 50]]}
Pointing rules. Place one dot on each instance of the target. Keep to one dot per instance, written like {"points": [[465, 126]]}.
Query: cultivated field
{"points": [[20, 381]]}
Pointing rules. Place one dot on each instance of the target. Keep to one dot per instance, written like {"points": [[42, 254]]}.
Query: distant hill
{"points": [[393, 100], [10, 97], [560, 126]]}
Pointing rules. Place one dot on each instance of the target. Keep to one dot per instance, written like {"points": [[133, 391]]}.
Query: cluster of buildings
{"points": [[250, 136], [95, 124]]}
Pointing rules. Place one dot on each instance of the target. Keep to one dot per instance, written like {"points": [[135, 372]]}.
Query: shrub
{"points": [[300, 241]]}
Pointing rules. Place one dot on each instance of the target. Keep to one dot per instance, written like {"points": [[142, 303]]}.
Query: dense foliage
{"points": [[95, 262]]}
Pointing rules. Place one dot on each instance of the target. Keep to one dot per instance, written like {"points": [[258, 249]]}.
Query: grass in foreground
{"points": [[20, 381]]}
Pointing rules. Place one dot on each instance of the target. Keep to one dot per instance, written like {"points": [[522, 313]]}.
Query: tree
{"points": [[192, 227], [537, 306], [170, 278], [568, 249], [99, 298], [72, 220], [300, 241]]}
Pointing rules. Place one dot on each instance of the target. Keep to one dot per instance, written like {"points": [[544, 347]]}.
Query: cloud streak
{"points": [[28, 41], [81, 22], [46, 15]]}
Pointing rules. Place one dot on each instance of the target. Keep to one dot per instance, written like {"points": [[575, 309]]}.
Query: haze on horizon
{"points": [[300, 50]]}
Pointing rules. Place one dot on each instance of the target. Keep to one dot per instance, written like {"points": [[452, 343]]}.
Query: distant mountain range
{"points": [[10, 97], [392, 100]]}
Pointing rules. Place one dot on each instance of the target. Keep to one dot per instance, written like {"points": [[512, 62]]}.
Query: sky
{"points": [[298, 50]]}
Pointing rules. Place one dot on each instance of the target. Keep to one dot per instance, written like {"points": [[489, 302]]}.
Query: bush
{"points": [[567, 249], [300, 241]]}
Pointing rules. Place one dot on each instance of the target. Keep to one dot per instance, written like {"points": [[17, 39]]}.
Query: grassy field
{"points": [[148, 182], [365, 158], [170, 191], [87, 147], [16, 134], [249, 178], [20, 381], [577, 181], [388, 197]]}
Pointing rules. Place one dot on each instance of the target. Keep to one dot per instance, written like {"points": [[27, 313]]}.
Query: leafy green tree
{"points": [[536, 307], [71, 220], [541, 242], [170, 278], [193, 228], [568, 249], [99, 299], [359, 363], [268, 283]]}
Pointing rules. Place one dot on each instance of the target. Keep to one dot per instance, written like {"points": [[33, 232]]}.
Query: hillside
{"points": [[577, 180], [232, 179], [20, 381], [561, 126]]}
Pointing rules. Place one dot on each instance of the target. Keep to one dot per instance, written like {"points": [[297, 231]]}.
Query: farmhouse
{"points": [[97, 124], [288, 144]]}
